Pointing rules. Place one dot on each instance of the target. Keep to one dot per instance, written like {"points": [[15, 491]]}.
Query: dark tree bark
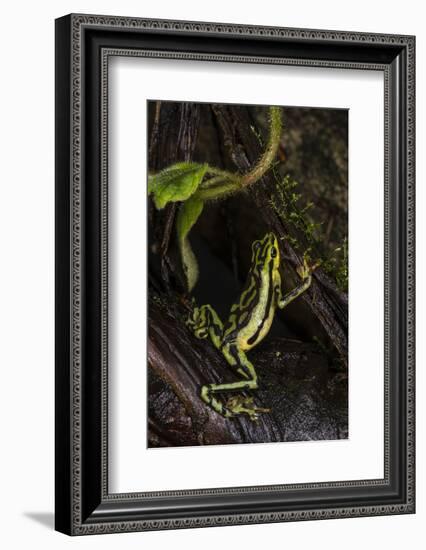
{"points": [[309, 407], [173, 139]]}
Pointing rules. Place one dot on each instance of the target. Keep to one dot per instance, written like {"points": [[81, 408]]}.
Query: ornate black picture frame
{"points": [[84, 44]]}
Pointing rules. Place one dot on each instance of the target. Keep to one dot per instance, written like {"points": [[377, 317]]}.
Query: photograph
{"points": [[248, 273], [210, 303], [235, 273]]}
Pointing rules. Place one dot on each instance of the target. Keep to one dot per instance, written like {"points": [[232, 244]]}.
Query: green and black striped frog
{"points": [[249, 322]]}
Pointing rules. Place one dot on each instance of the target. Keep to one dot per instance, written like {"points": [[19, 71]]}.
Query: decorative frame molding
{"points": [[84, 44]]}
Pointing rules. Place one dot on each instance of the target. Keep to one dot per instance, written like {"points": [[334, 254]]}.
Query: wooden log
{"points": [[294, 383]]}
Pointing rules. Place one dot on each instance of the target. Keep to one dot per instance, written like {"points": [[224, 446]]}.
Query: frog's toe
{"points": [[192, 319], [201, 333], [303, 271], [234, 403], [245, 405], [253, 415]]}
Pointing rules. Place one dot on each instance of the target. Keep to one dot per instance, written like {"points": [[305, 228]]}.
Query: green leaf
{"points": [[188, 214], [175, 183]]}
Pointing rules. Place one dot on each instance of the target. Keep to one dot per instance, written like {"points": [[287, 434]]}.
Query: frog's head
{"points": [[265, 251]]}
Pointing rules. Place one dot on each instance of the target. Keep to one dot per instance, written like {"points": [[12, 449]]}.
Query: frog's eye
{"points": [[273, 252]]}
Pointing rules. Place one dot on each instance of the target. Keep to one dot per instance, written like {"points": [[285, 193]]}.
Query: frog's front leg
{"points": [[238, 404], [305, 272]]}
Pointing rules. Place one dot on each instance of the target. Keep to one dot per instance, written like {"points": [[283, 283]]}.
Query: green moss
{"points": [[305, 234]]}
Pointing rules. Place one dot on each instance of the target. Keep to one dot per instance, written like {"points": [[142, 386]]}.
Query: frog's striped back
{"points": [[251, 318]]}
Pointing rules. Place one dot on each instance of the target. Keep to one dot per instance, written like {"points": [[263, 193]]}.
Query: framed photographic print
{"points": [[234, 274]]}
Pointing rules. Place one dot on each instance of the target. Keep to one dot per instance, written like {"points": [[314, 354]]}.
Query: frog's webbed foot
{"points": [[240, 404], [305, 271]]}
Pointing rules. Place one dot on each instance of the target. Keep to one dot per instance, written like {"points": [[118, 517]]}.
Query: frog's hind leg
{"points": [[235, 405], [204, 322]]}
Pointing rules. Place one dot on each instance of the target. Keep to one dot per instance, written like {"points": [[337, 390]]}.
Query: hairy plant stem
{"points": [[218, 191], [218, 172], [224, 183], [266, 160]]}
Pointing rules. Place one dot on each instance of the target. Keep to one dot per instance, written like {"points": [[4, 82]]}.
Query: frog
{"points": [[249, 322]]}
